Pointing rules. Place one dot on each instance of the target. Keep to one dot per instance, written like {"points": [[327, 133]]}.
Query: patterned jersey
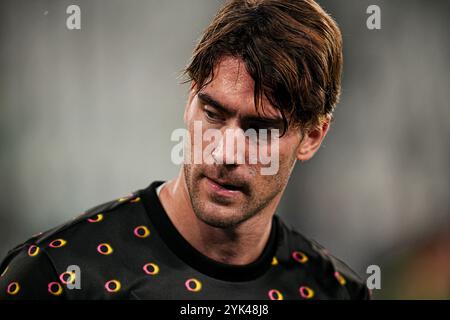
{"points": [[129, 249]]}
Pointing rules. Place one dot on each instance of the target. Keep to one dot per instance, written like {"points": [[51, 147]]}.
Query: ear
{"points": [[312, 140], [191, 97]]}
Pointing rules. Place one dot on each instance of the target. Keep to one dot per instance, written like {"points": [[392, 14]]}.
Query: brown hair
{"points": [[291, 48]]}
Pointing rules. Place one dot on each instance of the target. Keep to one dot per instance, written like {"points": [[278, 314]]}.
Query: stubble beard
{"points": [[249, 209]]}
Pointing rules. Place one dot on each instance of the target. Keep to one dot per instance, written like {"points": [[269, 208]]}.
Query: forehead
{"points": [[233, 87]]}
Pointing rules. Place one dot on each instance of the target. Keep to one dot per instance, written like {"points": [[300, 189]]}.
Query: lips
{"points": [[226, 184], [224, 187]]}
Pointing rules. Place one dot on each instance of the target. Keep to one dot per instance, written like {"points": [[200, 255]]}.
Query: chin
{"points": [[219, 216]]}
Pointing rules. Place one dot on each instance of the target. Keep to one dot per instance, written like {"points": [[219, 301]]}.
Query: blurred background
{"points": [[86, 116]]}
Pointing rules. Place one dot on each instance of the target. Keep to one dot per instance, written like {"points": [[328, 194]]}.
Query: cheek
{"points": [[289, 149], [286, 161], [287, 158]]}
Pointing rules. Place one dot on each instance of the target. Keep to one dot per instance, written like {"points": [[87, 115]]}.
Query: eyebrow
{"points": [[207, 99]]}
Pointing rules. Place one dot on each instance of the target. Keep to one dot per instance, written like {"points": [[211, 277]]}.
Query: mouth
{"points": [[223, 188]]}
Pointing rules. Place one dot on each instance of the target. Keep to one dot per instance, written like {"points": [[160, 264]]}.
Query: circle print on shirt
{"points": [[141, 232], [113, 286], [105, 249], [299, 256], [135, 200], [55, 288], [193, 285], [58, 243], [274, 294], [340, 278], [13, 288], [33, 250], [151, 269], [67, 277], [274, 261], [306, 292], [95, 219]]}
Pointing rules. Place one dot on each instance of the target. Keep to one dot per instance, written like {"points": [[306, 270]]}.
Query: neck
{"points": [[239, 245]]}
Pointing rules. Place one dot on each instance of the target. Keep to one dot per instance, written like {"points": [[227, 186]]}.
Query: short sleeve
{"points": [[28, 274]]}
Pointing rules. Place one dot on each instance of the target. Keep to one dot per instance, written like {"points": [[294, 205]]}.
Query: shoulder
{"points": [[338, 279], [108, 213], [35, 268]]}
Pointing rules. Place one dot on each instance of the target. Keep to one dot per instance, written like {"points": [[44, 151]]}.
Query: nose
{"points": [[230, 149]]}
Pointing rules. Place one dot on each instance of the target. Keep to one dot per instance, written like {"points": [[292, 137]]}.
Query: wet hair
{"points": [[291, 48]]}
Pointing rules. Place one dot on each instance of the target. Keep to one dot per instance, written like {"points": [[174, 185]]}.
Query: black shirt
{"points": [[129, 249]]}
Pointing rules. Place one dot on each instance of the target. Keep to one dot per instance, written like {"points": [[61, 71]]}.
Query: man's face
{"points": [[227, 194]]}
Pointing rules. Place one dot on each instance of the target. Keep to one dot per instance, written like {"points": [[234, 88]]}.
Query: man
{"points": [[212, 232]]}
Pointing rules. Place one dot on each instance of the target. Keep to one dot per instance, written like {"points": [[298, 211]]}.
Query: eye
{"points": [[212, 116]]}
